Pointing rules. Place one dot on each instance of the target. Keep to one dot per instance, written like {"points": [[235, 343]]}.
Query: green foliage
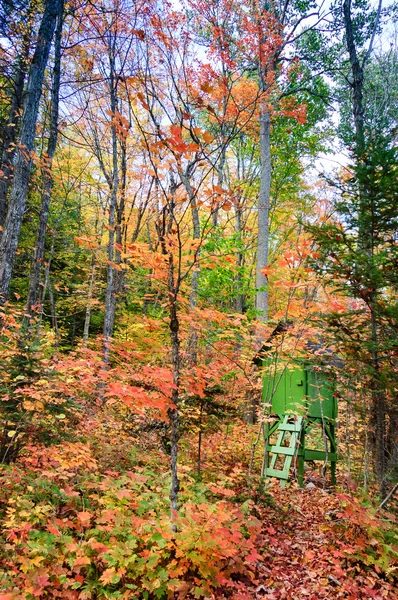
{"points": [[221, 278], [357, 252]]}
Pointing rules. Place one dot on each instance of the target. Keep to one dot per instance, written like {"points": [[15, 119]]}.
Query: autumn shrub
{"points": [[69, 534], [367, 538], [31, 406]]}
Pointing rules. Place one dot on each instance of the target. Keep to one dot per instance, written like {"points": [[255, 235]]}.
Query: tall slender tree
{"points": [[39, 250], [18, 78], [23, 159]]}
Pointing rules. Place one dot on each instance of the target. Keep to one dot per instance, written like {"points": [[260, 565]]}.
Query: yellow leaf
{"points": [[11, 433]]}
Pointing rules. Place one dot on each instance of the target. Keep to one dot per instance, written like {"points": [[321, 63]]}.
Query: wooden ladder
{"points": [[289, 452]]}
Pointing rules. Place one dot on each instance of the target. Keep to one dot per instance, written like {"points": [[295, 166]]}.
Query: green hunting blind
{"points": [[300, 399]]}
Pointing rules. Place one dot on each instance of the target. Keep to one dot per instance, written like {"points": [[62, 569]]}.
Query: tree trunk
{"points": [[220, 168], [199, 463], [263, 215], [378, 410], [357, 79], [40, 243], [110, 295], [23, 156], [54, 320], [193, 296], [173, 286], [87, 318], [173, 412], [366, 232], [10, 134], [120, 228], [239, 299], [184, 177]]}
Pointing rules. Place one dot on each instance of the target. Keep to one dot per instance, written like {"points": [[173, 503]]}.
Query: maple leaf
{"points": [[108, 575], [175, 131], [53, 530], [97, 546], [67, 490], [84, 518], [81, 561], [42, 580], [121, 494]]}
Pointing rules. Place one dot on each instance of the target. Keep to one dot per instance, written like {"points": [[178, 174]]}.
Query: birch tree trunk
{"points": [[23, 156], [263, 215]]}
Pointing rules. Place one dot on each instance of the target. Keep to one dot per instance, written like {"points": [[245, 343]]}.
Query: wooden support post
{"points": [[301, 456], [333, 447]]}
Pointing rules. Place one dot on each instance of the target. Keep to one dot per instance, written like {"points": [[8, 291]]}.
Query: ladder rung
{"points": [[287, 451], [290, 427], [283, 450], [276, 473]]}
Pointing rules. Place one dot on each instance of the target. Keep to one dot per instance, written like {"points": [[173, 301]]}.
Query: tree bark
{"points": [[366, 233], [10, 134], [23, 156], [39, 250], [357, 79], [239, 299], [110, 296], [87, 317], [173, 287], [193, 296], [263, 215], [173, 412], [54, 320], [220, 165], [378, 408]]}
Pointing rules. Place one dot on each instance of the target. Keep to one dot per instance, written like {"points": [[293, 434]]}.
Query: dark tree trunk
{"points": [[87, 318], [200, 435], [357, 79], [173, 287], [378, 409], [193, 296], [220, 167], [110, 292], [54, 320], [10, 134], [173, 413], [23, 156], [366, 232], [39, 250], [120, 227]]}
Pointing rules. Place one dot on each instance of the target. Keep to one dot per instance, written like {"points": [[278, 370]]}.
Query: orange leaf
{"points": [[84, 518], [108, 575]]}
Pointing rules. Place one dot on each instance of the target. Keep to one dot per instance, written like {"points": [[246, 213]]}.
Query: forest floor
{"points": [[74, 529], [317, 544]]}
